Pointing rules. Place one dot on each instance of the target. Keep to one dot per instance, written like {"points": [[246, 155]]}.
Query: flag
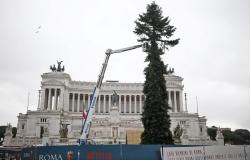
{"points": [[84, 115]]}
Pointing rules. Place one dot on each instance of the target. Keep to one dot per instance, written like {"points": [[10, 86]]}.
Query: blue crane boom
{"points": [[91, 107]]}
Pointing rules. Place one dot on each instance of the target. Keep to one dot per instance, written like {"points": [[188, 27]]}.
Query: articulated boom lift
{"points": [[91, 107]]}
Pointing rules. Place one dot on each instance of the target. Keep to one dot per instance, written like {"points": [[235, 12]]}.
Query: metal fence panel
{"points": [[141, 152]]}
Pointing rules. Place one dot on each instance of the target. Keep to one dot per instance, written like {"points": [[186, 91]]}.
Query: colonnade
{"points": [[131, 104], [175, 100], [52, 98], [78, 102], [126, 103]]}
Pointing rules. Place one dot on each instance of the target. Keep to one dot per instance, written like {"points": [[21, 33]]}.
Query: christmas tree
{"points": [[155, 30]]}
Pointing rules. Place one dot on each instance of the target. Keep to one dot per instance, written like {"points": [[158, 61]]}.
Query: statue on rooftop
{"points": [[59, 67], [53, 68], [170, 70]]}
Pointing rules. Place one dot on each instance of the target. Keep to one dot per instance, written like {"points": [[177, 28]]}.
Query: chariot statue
{"points": [[59, 67]]}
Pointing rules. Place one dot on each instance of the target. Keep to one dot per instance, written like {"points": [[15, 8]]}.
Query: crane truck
{"points": [[91, 108]]}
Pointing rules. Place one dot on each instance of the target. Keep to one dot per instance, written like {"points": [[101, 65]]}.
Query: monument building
{"points": [[58, 118]]}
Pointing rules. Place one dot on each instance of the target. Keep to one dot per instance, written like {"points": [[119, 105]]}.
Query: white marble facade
{"points": [[62, 100]]}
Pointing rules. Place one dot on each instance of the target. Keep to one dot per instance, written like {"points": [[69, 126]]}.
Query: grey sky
{"points": [[212, 56]]}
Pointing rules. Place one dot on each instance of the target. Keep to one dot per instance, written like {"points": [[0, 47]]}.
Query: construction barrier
{"points": [[93, 152], [136, 152], [206, 153], [10, 153]]}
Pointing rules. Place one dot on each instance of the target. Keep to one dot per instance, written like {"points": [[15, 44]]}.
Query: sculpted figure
{"points": [[59, 68], [114, 99], [64, 131], [178, 132], [53, 68]]}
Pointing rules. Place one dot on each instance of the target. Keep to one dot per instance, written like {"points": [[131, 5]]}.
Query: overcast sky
{"points": [[213, 55]]}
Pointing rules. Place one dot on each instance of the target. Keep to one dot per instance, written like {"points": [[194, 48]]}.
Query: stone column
{"points": [[99, 104], [62, 100], [49, 99], [175, 102], [85, 107], [140, 109], [43, 98], [69, 103], [58, 99], [55, 99], [120, 106], [135, 98], [104, 103], [186, 102], [109, 102], [125, 102], [39, 100], [130, 105], [73, 102], [78, 102], [181, 101]]}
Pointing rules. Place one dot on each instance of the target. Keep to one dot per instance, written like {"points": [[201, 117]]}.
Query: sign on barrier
{"points": [[206, 153], [247, 151], [224, 153], [183, 153]]}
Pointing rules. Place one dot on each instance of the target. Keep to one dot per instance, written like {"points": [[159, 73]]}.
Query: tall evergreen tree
{"points": [[155, 29]]}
